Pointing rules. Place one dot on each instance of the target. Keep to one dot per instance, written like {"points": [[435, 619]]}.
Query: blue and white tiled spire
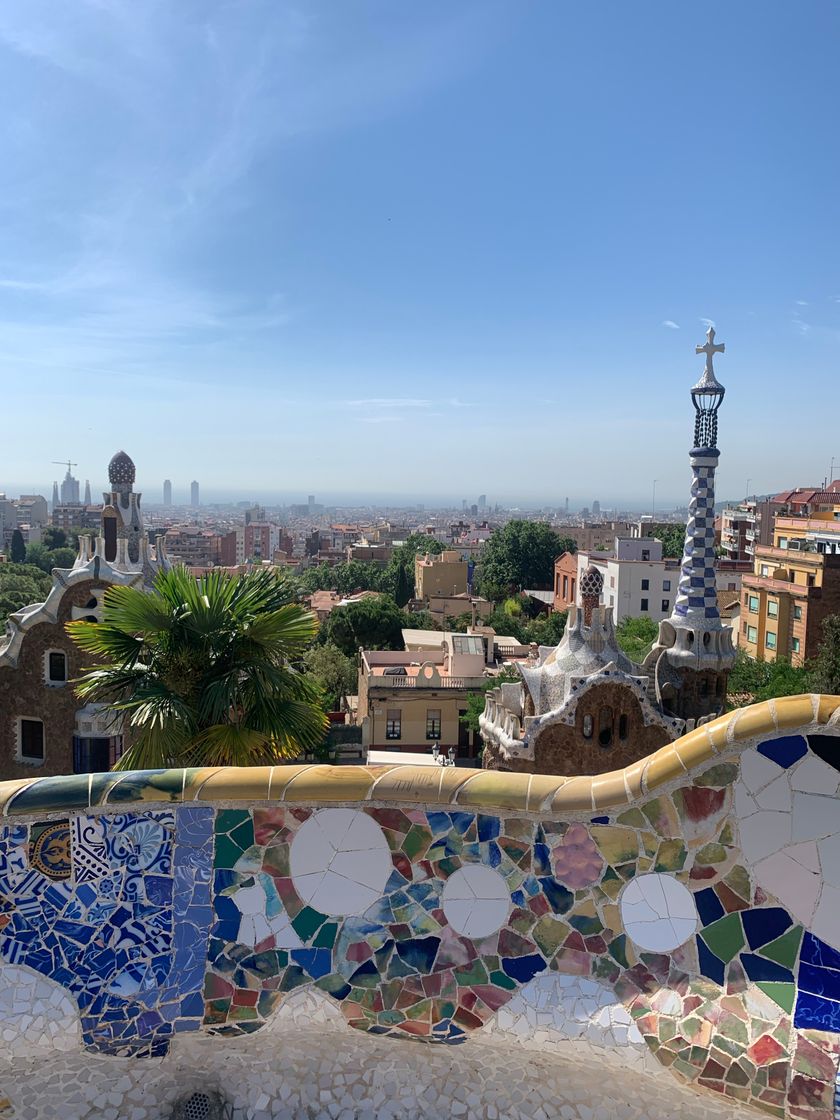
{"points": [[696, 602]]}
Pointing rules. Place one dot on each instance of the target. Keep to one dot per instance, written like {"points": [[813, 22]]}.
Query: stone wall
{"points": [[662, 940]]}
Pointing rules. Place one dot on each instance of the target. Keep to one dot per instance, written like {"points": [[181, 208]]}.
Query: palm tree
{"points": [[203, 670]]}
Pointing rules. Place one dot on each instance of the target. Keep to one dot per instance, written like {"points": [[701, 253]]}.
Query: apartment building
{"points": [[794, 585], [410, 700], [194, 546], [445, 574]]}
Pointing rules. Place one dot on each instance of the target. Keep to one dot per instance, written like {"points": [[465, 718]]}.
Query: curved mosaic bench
{"points": [[687, 907]]}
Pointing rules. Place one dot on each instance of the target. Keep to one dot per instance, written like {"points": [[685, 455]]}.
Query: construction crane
{"points": [[65, 463]]}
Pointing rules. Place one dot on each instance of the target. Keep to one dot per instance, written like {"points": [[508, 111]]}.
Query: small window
{"points": [[753, 603], [643, 605], [622, 726], [752, 634], [565, 587], [56, 667], [645, 585], [666, 605], [772, 608], [797, 614], [770, 639], [666, 585], [587, 727], [32, 740], [795, 645], [764, 570], [646, 554], [393, 724], [605, 728], [433, 723]]}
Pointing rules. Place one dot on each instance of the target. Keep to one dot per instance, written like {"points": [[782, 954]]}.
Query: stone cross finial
{"points": [[710, 348]]}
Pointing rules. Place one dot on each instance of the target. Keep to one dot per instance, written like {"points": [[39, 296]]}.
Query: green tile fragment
{"points": [[227, 853], [326, 936], [784, 949], [502, 981], [307, 922], [781, 993], [725, 937]]}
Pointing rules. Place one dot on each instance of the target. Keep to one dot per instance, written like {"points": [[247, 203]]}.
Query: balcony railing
{"points": [[424, 682]]}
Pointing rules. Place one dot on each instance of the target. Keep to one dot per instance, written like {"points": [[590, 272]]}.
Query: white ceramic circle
{"points": [[340, 861], [476, 900], [659, 913]]}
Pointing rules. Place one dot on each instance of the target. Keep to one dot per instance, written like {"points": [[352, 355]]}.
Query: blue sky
{"points": [[438, 248]]}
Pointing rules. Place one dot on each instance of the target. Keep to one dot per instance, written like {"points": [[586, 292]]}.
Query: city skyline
{"points": [[418, 244]]}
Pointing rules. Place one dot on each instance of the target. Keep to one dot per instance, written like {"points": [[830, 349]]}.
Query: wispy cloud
{"points": [[670, 324], [801, 302], [388, 402], [708, 323]]}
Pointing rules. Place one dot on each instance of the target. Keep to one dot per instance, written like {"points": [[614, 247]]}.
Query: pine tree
{"points": [[17, 552]]}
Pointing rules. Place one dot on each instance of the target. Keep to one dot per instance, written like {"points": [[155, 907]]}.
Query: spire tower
{"points": [[694, 653]]}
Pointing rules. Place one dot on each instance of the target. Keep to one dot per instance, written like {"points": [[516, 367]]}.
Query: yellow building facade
{"points": [[795, 584]]}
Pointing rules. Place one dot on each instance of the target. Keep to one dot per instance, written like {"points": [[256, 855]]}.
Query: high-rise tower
{"points": [[87, 491], [693, 653], [194, 502], [167, 492]]}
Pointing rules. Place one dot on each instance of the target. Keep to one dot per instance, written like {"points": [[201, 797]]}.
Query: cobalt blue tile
{"points": [[488, 828], [193, 1005], [542, 859], [524, 968], [438, 823], [518, 898], [709, 906], [814, 951], [560, 898], [757, 968], [419, 953], [765, 925], [814, 1012], [711, 966], [785, 750], [600, 820], [317, 962], [494, 854], [461, 822], [365, 970], [819, 981]]}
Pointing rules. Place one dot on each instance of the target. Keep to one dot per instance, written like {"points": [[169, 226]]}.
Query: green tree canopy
{"points": [[824, 670], [518, 556], [673, 541], [635, 636], [375, 622], [751, 681], [53, 537], [20, 586], [203, 670], [334, 672], [39, 556], [344, 578]]}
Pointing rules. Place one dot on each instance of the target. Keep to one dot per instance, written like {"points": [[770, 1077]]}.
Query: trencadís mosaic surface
{"points": [[683, 914]]}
